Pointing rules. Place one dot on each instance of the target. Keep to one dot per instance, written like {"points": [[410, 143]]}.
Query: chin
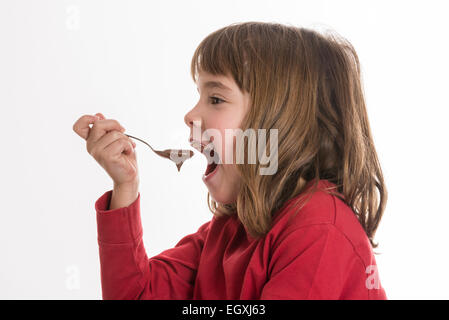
{"points": [[223, 198]]}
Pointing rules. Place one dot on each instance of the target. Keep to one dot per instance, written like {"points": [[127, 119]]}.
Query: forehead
{"points": [[209, 81]]}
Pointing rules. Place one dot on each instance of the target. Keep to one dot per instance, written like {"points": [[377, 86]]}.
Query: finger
{"points": [[109, 138], [118, 147], [102, 117], [101, 127], [129, 149], [81, 126]]}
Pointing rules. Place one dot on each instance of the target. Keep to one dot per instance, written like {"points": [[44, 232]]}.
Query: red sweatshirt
{"points": [[321, 253]]}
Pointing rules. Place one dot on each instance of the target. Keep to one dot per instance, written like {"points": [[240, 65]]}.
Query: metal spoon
{"points": [[178, 156]]}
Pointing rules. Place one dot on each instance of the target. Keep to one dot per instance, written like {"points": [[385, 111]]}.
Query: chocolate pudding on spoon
{"points": [[178, 156]]}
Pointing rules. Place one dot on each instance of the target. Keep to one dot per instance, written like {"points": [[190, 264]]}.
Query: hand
{"points": [[113, 150]]}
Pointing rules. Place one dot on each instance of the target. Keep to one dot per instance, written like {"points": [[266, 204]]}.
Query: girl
{"points": [[303, 232]]}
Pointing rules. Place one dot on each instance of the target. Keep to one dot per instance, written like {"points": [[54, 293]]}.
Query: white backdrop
{"points": [[130, 60]]}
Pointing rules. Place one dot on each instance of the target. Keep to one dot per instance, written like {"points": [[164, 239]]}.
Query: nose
{"points": [[190, 119]]}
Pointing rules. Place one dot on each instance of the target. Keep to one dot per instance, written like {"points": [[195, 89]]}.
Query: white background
{"points": [[130, 60]]}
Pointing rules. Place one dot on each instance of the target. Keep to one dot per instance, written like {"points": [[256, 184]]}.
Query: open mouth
{"points": [[211, 167], [213, 158]]}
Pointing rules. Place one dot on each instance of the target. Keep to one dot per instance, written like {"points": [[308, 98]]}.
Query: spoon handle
{"points": [[140, 141]]}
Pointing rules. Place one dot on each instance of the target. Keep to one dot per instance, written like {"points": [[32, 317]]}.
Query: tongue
{"points": [[213, 160]]}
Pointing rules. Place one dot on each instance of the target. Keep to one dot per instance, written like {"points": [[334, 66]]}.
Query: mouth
{"points": [[212, 156], [213, 165]]}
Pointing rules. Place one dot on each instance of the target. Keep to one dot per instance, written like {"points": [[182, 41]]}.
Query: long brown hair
{"points": [[308, 86]]}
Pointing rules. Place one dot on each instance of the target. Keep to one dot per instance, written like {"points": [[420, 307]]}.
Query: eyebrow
{"points": [[216, 84]]}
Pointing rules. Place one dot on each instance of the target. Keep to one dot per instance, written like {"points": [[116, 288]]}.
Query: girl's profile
{"points": [[306, 229]]}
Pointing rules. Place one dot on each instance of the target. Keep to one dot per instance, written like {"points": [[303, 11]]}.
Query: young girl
{"points": [[304, 232]]}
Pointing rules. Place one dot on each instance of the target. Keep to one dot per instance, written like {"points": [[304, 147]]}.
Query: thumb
{"points": [[102, 117]]}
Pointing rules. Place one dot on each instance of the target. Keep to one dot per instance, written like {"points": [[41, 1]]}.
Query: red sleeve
{"points": [[318, 262], [126, 271]]}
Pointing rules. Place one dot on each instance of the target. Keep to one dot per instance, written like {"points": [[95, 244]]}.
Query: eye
{"points": [[215, 100]]}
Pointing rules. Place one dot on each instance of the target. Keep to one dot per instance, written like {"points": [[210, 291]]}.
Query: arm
{"points": [[317, 262], [126, 271]]}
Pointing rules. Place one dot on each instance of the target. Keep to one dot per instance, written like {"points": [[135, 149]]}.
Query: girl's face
{"points": [[221, 106]]}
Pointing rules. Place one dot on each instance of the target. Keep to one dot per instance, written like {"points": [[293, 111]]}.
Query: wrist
{"points": [[124, 195], [127, 187]]}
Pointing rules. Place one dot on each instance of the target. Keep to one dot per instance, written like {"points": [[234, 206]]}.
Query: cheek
{"points": [[231, 176], [228, 149]]}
